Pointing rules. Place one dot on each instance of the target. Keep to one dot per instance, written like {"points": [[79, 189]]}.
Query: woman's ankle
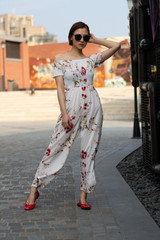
{"points": [[83, 195], [33, 190]]}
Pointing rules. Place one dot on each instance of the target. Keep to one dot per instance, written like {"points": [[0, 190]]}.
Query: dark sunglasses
{"points": [[78, 37]]}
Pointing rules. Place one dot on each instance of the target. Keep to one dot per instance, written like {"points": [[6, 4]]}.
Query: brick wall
{"points": [[51, 49], [16, 69]]}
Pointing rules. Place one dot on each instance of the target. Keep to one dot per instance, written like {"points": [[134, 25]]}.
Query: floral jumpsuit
{"points": [[85, 110]]}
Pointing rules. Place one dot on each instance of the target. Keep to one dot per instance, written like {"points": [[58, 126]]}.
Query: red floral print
{"points": [[83, 175], [83, 154], [85, 106], [56, 173], [68, 130], [73, 117], [83, 88], [85, 80], [67, 89], [84, 164], [83, 71], [84, 96], [48, 151]]}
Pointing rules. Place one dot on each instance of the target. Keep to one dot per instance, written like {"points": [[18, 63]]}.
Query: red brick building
{"points": [[14, 63]]}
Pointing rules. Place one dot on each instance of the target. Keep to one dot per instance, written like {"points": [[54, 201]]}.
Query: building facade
{"points": [[22, 26], [16, 26], [14, 64]]}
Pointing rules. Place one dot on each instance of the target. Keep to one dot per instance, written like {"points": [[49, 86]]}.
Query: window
{"points": [[12, 49], [24, 32]]}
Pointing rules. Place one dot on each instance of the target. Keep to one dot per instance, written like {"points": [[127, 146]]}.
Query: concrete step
{"points": [[117, 104]]}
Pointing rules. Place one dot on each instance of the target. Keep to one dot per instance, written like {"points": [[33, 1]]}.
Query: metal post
{"points": [[3, 77], [135, 82], [136, 128], [3, 45]]}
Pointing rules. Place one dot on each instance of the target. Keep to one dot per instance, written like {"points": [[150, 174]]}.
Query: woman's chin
{"points": [[81, 46]]}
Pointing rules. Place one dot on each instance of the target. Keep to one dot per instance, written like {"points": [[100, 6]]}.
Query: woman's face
{"points": [[81, 43]]}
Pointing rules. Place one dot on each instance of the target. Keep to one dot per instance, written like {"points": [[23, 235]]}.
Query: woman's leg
{"points": [[55, 156], [90, 139], [32, 195], [83, 197]]}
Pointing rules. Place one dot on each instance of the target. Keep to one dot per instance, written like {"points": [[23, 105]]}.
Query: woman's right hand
{"points": [[66, 121]]}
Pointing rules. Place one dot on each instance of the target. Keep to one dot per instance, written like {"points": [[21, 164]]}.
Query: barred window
{"points": [[12, 49]]}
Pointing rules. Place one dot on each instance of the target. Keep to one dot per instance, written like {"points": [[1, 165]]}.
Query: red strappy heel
{"points": [[31, 206], [84, 206]]}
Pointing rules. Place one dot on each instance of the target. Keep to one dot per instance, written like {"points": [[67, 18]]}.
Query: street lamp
{"points": [[3, 46]]}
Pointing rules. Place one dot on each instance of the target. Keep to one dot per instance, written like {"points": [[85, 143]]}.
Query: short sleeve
{"points": [[96, 58], [57, 69]]}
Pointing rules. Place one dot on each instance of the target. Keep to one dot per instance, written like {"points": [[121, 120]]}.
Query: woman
{"points": [[81, 112]]}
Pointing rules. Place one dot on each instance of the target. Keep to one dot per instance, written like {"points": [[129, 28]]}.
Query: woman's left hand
{"points": [[92, 38]]}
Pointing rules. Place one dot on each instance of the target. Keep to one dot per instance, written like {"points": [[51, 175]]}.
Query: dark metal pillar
{"points": [[135, 82]]}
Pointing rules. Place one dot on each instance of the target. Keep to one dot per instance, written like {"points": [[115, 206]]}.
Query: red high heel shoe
{"points": [[84, 206], [31, 206]]}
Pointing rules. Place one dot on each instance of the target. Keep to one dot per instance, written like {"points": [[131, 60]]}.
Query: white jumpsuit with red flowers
{"points": [[84, 108]]}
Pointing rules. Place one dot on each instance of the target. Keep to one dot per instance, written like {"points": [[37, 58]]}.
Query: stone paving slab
{"points": [[56, 215]]}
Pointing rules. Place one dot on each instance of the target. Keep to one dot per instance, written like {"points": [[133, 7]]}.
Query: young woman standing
{"points": [[81, 112]]}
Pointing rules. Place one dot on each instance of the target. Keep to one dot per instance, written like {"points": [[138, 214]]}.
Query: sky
{"points": [[106, 18]]}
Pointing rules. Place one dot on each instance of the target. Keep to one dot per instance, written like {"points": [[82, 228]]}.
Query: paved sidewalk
{"points": [[116, 212]]}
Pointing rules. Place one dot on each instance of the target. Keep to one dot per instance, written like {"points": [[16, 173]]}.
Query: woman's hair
{"points": [[74, 27]]}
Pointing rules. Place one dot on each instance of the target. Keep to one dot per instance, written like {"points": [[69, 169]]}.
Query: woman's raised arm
{"points": [[111, 45]]}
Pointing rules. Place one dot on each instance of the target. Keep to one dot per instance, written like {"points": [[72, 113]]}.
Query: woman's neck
{"points": [[76, 52]]}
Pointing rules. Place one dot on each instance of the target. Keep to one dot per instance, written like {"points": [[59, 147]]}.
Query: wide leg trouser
{"points": [[62, 140]]}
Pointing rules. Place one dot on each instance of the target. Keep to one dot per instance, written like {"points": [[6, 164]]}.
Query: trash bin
{"points": [[10, 85]]}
